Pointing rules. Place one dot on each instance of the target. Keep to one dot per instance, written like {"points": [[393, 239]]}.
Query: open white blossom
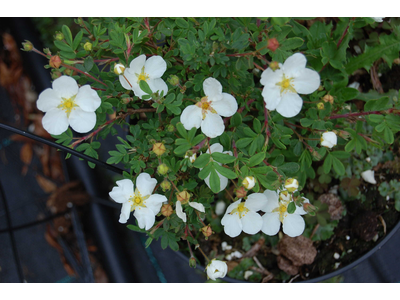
{"points": [[179, 210], [140, 200], [216, 269], [149, 70], [369, 176], [329, 139], [242, 216], [378, 19], [68, 104], [207, 113], [282, 86], [276, 213], [223, 181]]}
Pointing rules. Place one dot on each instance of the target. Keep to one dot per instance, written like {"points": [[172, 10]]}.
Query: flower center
{"points": [[241, 210], [281, 209], [68, 104], [286, 84], [137, 201], [142, 76], [205, 106]]}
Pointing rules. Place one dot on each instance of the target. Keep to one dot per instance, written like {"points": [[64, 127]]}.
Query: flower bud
{"points": [[291, 184], [55, 61], [192, 157], [320, 106], [173, 80], [241, 192], [328, 98], [119, 69], [183, 197], [309, 208], [274, 65], [68, 72], [159, 149], [207, 231], [27, 46], [285, 196], [316, 155], [162, 169], [249, 182], [192, 262], [88, 46], [166, 210], [55, 74], [170, 128], [273, 44], [59, 36], [165, 185], [344, 134], [329, 139]]}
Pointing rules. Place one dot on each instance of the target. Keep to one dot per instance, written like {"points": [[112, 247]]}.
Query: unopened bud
{"points": [[27, 46], [320, 88], [249, 182], [328, 98], [162, 169], [396, 61], [159, 149], [68, 72], [166, 210], [274, 65], [343, 134], [119, 69], [59, 36], [126, 100], [316, 155], [183, 197], [320, 106], [165, 185], [309, 208], [192, 157], [46, 51], [273, 44], [192, 262], [207, 231], [88, 46], [55, 61], [285, 196], [55, 74], [170, 128], [173, 80], [291, 184], [241, 192]]}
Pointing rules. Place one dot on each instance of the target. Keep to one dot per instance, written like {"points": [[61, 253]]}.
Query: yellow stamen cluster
{"points": [[137, 201], [241, 210], [281, 209], [286, 84], [205, 106], [67, 105], [142, 76]]}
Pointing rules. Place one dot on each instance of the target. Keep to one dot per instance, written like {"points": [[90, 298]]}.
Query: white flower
{"points": [[223, 181], [68, 104], [243, 215], [207, 113], [216, 269], [140, 200], [220, 207], [181, 214], [369, 176], [281, 87], [249, 182], [378, 19], [149, 70], [329, 139], [276, 213], [225, 246]]}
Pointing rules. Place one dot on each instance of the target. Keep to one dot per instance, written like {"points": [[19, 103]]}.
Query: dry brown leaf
{"points": [[45, 184]]}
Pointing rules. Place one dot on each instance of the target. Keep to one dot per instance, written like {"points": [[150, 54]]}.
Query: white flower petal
{"points": [[125, 212], [225, 107], [293, 225], [329, 139], [232, 225], [65, 86], [55, 121], [232, 206], [300, 210], [145, 184], [128, 76], [252, 222], [123, 191], [272, 97], [137, 64], [213, 125], [216, 269], [307, 81], [191, 117], [154, 202], [290, 105], [213, 89], [216, 147], [145, 217], [155, 67], [179, 211], [271, 223], [82, 121], [223, 181], [198, 206], [369, 176], [48, 99], [273, 201], [294, 65], [87, 99], [256, 201], [270, 78], [157, 84]]}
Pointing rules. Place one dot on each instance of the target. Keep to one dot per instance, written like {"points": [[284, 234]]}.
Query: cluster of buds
{"points": [[59, 36]]}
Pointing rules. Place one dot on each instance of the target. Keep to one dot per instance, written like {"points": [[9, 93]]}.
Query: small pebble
{"points": [[336, 255]]}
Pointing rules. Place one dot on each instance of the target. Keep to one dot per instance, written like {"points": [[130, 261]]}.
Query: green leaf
{"points": [[341, 154], [256, 159], [182, 131], [225, 171], [181, 23], [242, 143], [202, 160], [67, 34], [214, 181], [327, 163], [77, 40], [388, 135], [292, 43], [145, 87], [338, 166], [236, 120], [206, 171], [290, 168], [88, 63], [291, 207], [306, 122], [376, 105], [63, 46], [223, 158]]}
